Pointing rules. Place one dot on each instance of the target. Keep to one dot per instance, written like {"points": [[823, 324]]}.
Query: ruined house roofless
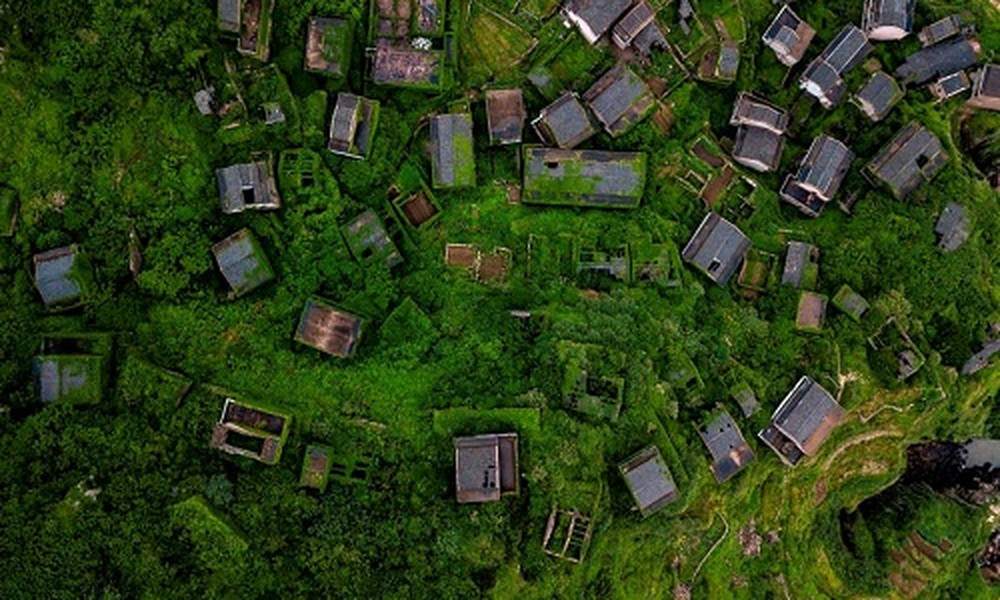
{"points": [[247, 186], [486, 467], [505, 116]]}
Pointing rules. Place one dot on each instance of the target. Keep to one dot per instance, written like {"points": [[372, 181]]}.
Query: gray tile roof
{"points": [[951, 85], [344, 122], [847, 50], [717, 248], [941, 29], [55, 278], [807, 415], [247, 186], [72, 376], [729, 62], [649, 480], [986, 88], [505, 115], [879, 94], [242, 263], [913, 156], [824, 166], [594, 178], [452, 159], [751, 110], [564, 123], [596, 15], [758, 148], [797, 256], [228, 13], [632, 24], [888, 13], [789, 36], [823, 82], [725, 442], [952, 227], [940, 59], [980, 360], [618, 99]]}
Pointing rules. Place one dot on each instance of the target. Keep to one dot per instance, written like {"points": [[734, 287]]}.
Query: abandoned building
{"points": [[273, 114], [986, 88], [248, 186], [61, 276], [728, 63], [811, 312], [939, 30], [887, 20], [952, 227], [850, 302], [369, 242], [649, 480], [980, 360], [400, 64], [228, 15], [74, 378], [746, 399], [819, 176], [505, 115], [484, 267], [589, 178], [486, 467], [802, 422], [950, 85], [567, 535], [419, 208], [801, 268], [638, 29], [824, 77], [759, 135], [250, 22], [352, 126], [204, 101], [914, 155], [328, 46], [879, 94], [242, 262], [594, 18], [565, 123], [252, 431], [328, 329], [717, 248], [788, 36], [619, 99], [592, 381], [316, 468], [939, 60], [453, 163], [729, 449]]}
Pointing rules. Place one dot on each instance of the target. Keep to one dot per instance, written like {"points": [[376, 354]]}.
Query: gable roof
{"points": [[242, 262], [824, 166], [505, 115], [452, 161], [797, 257], [247, 186], [564, 123], [717, 248], [729, 449], [913, 156], [986, 89], [758, 148], [952, 227], [980, 360], [328, 329], [594, 178], [950, 85], [228, 15], [619, 99], [485, 467], [649, 480], [56, 279], [940, 59], [893, 14], [941, 29], [823, 78], [595, 17], [632, 24], [751, 110], [789, 36], [352, 125], [879, 94], [803, 421]]}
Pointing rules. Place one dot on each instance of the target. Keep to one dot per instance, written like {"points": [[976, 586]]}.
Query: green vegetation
{"points": [[99, 136]]}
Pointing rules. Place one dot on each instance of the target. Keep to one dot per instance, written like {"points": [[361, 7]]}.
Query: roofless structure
{"points": [[486, 467]]}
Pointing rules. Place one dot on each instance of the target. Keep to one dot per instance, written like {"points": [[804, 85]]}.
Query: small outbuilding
{"points": [[850, 302], [486, 467], [329, 329], [939, 30], [729, 449], [952, 227], [73, 378], [802, 422], [328, 46], [316, 468], [949, 86], [717, 248], [248, 430], [811, 312], [801, 268], [649, 480], [242, 263], [369, 242], [453, 163], [986, 88]]}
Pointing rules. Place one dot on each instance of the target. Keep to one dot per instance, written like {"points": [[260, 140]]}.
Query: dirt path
{"points": [[860, 439]]}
